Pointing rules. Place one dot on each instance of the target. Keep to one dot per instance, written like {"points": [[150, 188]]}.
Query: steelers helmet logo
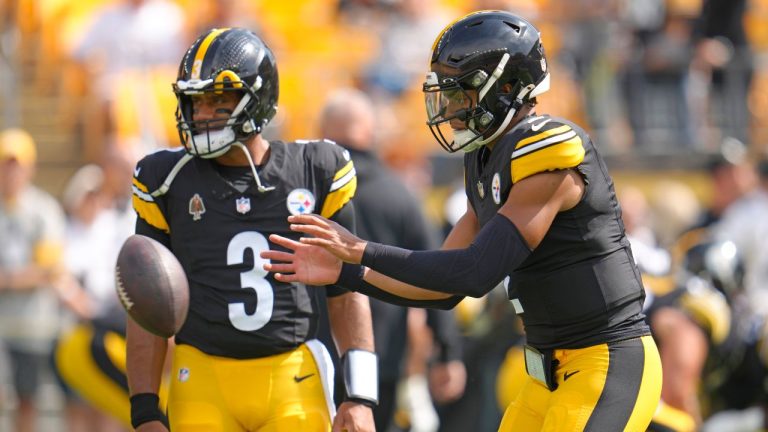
{"points": [[300, 201]]}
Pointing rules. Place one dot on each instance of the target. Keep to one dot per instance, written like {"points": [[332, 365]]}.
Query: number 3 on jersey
{"points": [[254, 279]]}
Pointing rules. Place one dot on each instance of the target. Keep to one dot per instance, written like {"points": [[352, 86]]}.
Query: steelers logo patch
{"points": [[300, 201]]}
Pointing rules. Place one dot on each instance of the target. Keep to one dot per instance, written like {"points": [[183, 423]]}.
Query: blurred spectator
{"points": [[675, 208], [733, 177], [745, 222], [100, 219], [723, 64], [97, 201], [695, 329], [31, 226], [405, 42], [387, 212], [651, 258], [130, 47], [656, 80], [131, 35], [594, 47], [207, 14]]}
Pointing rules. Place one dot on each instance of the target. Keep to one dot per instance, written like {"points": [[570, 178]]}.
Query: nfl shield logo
{"points": [[183, 374], [243, 205]]}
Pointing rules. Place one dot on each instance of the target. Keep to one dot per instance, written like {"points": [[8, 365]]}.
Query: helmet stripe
{"points": [[203, 49]]}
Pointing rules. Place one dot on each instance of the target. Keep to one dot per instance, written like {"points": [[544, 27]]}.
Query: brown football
{"points": [[152, 285]]}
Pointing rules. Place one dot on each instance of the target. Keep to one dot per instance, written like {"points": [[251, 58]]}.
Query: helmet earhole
{"points": [[485, 119]]}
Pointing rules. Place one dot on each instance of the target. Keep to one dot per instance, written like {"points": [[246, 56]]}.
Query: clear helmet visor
{"points": [[452, 112]]}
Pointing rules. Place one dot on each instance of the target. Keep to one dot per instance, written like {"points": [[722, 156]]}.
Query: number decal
{"points": [[254, 279]]}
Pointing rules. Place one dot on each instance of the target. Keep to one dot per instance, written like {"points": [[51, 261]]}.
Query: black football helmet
{"points": [[718, 262], [483, 51], [224, 60]]}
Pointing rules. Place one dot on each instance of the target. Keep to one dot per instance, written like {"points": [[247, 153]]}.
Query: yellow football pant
{"points": [[285, 392], [92, 363], [609, 387]]}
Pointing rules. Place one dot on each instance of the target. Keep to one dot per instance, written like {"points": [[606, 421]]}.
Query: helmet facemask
{"points": [[212, 138], [455, 117]]}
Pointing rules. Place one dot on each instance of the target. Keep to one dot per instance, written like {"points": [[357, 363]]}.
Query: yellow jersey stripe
{"points": [[543, 135], [338, 184], [344, 170], [530, 148], [336, 199], [140, 186], [561, 155], [150, 212], [203, 49]]}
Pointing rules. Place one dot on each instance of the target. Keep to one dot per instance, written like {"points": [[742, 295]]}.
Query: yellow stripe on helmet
{"points": [[203, 49]]}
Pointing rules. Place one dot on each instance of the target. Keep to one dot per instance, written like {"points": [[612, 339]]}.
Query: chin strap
{"points": [[187, 157], [172, 175], [261, 188]]}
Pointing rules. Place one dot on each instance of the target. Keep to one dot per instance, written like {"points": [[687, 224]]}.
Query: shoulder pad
{"points": [[545, 143], [327, 155], [151, 178], [311, 141], [153, 169], [335, 162]]}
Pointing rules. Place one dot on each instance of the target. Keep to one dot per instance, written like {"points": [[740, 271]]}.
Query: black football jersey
{"points": [[236, 308], [580, 286]]}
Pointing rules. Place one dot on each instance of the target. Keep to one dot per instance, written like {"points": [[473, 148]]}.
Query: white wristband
{"points": [[361, 375]]}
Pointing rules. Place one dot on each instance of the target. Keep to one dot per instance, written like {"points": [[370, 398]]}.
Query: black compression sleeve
{"points": [[351, 277], [346, 218], [497, 250]]}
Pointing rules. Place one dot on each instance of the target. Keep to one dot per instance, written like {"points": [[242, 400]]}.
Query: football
{"points": [[152, 285]]}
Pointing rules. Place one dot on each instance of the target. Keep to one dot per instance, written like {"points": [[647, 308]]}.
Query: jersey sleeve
{"points": [[340, 174], [554, 146], [147, 178]]}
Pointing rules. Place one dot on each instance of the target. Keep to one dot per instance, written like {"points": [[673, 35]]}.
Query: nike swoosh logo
{"points": [[299, 379], [537, 126], [569, 374], [136, 171]]}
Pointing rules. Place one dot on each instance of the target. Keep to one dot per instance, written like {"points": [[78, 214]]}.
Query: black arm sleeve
{"points": [[498, 249], [351, 277], [346, 218]]}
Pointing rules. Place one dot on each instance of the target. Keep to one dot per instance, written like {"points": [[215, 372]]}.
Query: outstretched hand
{"points": [[306, 263], [330, 235]]}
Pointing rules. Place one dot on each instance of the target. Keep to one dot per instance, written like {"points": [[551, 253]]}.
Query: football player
{"points": [[690, 317], [246, 358], [542, 212]]}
